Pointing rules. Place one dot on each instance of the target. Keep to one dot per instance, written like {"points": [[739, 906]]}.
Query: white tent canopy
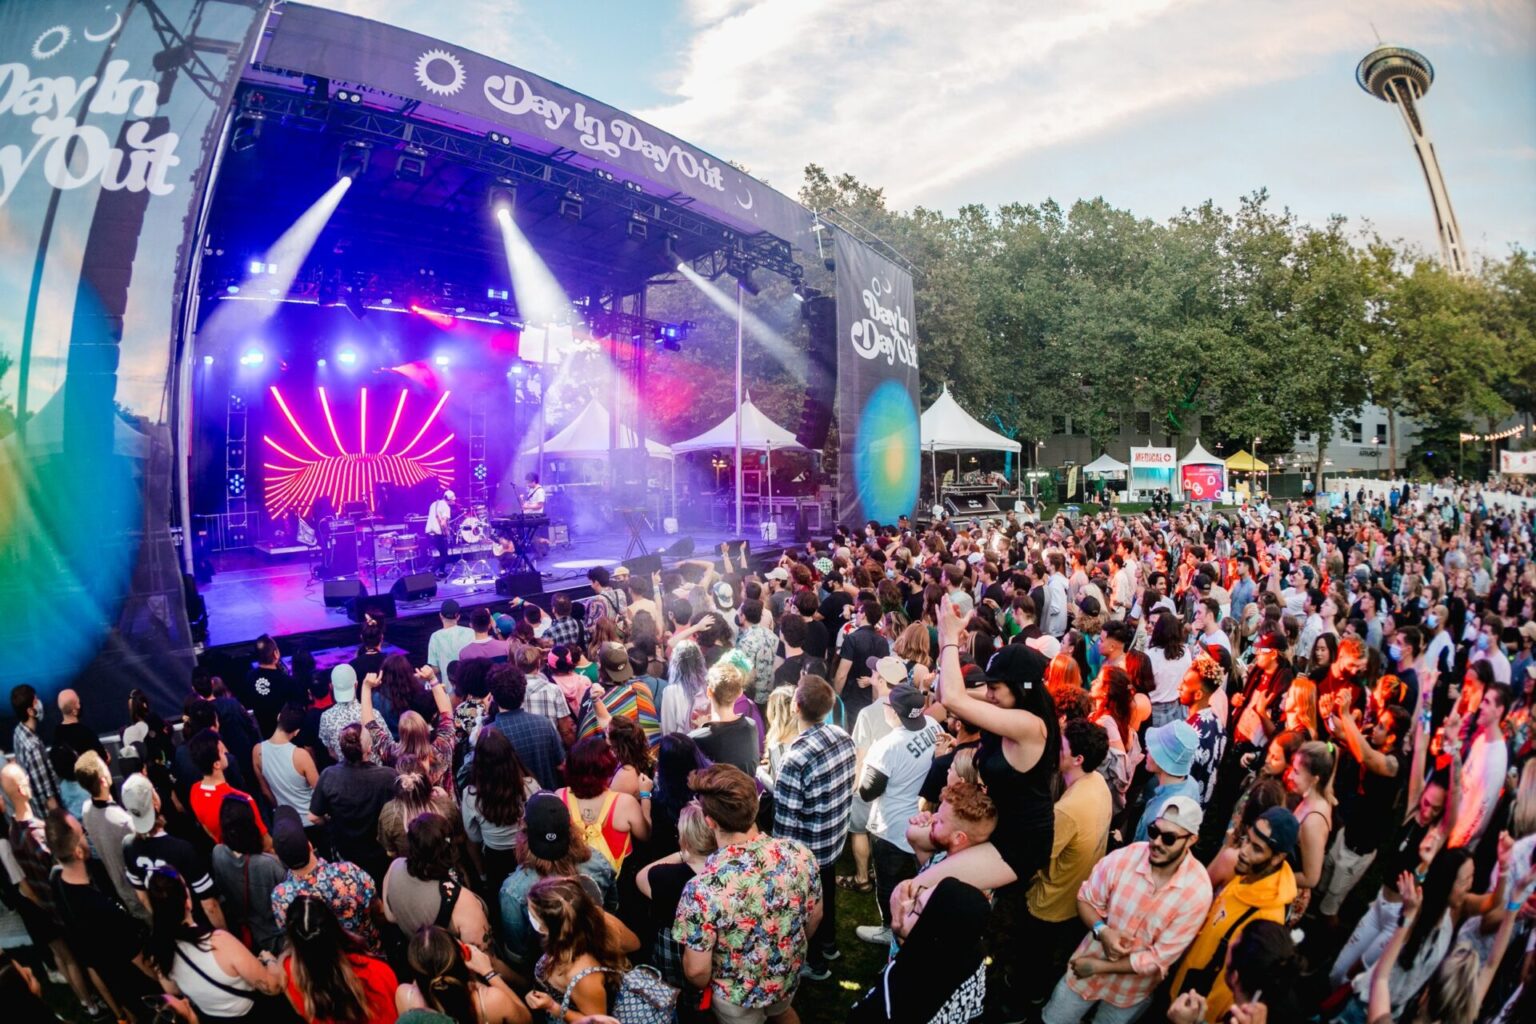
{"points": [[1106, 465], [945, 427], [587, 436], [758, 433], [1198, 456]]}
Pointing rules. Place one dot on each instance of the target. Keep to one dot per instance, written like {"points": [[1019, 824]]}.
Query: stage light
{"points": [[502, 197], [320, 362], [253, 357], [356, 154], [386, 301], [638, 227], [327, 292], [516, 371], [411, 164], [746, 282], [500, 294], [497, 138], [348, 96], [668, 253], [604, 175], [570, 205], [237, 484], [247, 131], [633, 186], [207, 360], [346, 357], [233, 289], [440, 360]]}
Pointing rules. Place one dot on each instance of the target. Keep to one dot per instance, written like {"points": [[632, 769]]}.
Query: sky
{"points": [[1155, 105]]}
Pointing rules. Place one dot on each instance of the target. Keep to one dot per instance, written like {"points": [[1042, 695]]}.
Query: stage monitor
{"points": [[339, 592], [520, 584], [418, 586]]}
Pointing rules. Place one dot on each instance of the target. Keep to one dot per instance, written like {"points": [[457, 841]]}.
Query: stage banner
{"points": [[879, 460], [1517, 462], [109, 116], [541, 114]]}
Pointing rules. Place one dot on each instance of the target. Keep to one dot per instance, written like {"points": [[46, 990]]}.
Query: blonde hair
{"points": [[783, 722], [693, 832], [1522, 820], [912, 645], [964, 765], [91, 772], [726, 682], [415, 737]]}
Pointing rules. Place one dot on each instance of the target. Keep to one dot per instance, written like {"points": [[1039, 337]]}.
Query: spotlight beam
{"points": [[540, 299], [787, 357]]}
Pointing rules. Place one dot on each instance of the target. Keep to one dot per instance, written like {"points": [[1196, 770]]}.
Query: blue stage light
{"points": [[441, 360], [346, 357], [253, 357], [207, 360]]}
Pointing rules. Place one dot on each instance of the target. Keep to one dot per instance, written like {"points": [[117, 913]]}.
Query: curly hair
{"points": [[429, 847], [398, 683], [629, 744]]}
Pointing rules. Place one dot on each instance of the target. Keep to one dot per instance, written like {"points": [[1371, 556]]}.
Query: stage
{"points": [[252, 593]]}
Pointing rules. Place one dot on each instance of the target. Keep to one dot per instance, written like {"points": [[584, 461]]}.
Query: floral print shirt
{"points": [[750, 906], [759, 644], [346, 887]]}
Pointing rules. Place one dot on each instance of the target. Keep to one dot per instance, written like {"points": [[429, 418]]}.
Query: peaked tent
{"points": [[1243, 462], [1202, 476], [587, 436], [945, 427], [758, 433], [1198, 456], [1106, 465]]}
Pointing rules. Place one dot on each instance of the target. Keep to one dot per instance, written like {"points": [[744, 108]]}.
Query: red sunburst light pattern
{"points": [[305, 471]]}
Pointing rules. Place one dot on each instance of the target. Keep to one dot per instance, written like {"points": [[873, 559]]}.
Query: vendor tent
{"points": [[587, 436], [1106, 465], [945, 427], [1243, 462]]}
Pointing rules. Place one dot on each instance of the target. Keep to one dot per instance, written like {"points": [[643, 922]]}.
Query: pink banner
{"points": [[1202, 483]]}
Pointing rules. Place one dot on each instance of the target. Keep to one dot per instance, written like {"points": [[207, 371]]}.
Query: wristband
{"points": [[489, 977], [1099, 927], [1514, 905], [645, 794]]}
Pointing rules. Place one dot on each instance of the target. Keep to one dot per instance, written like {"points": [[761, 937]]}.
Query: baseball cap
{"points": [[1283, 829], [288, 839], [778, 573], [907, 701], [344, 683], [449, 495], [1182, 812], [1045, 644], [620, 572], [1268, 640], [505, 625], [890, 668], [450, 609], [547, 826], [139, 802], [614, 660], [1018, 665], [723, 595]]}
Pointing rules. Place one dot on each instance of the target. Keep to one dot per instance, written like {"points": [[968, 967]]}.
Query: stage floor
{"points": [[254, 593]]}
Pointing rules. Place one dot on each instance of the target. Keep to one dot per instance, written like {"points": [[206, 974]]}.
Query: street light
{"points": [[1376, 443]]}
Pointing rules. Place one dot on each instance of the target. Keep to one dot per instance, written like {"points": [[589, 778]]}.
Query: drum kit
{"points": [[394, 552]]}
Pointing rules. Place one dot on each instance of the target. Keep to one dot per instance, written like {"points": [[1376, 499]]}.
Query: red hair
{"points": [[590, 766]]}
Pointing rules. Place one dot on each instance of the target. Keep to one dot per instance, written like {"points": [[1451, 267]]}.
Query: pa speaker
{"points": [[339, 592], [374, 606], [644, 565], [820, 372], [680, 548], [520, 584], [418, 586]]}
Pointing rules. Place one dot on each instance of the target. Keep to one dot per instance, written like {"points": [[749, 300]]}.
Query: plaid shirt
{"points": [[566, 631], [33, 758], [545, 698], [537, 744], [813, 795], [1160, 923]]}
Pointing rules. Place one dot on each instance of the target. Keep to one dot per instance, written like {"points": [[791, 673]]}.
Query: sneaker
{"points": [[811, 972], [873, 933], [829, 954]]}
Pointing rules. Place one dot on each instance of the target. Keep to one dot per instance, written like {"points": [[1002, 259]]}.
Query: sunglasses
{"points": [[1165, 836]]}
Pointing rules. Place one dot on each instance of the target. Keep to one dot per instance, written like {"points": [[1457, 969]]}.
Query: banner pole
{"points": [[738, 407]]}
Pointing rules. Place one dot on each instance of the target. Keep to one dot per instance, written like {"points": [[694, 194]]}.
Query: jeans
{"points": [[893, 865], [825, 938], [1067, 1007], [1369, 938]]}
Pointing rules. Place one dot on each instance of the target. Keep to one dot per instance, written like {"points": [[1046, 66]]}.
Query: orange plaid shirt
{"points": [[1160, 923]]}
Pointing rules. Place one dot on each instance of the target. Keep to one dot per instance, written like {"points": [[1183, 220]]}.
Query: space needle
{"points": [[1402, 76]]}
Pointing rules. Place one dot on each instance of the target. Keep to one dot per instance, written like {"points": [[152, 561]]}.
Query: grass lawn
{"points": [[823, 1002]]}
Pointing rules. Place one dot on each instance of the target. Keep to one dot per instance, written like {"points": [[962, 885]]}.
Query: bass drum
{"points": [[473, 531]]}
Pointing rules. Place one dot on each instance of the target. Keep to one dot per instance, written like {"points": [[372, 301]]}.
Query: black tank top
{"points": [[1022, 798]]}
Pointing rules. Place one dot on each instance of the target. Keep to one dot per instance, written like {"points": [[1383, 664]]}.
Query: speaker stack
{"points": [[820, 314]]}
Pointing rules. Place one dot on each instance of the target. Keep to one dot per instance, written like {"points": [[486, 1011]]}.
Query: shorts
{"points": [[729, 1013], [1025, 849], [858, 818]]}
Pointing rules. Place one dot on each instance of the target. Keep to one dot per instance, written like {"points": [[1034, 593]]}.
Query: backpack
{"points": [[643, 997]]}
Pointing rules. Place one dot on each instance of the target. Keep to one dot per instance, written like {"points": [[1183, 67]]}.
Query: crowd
{"points": [[1271, 764]]}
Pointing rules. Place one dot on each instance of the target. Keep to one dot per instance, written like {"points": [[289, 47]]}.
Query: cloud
{"points": [[496, 28], [918, 96]]}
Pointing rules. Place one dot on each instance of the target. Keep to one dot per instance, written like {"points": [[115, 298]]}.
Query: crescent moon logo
{"points": [[745, 205], [117, 25]]}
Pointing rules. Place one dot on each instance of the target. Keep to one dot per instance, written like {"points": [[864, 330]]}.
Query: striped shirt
{"points": [[630, 699], [1159, 923], [813, 794]]}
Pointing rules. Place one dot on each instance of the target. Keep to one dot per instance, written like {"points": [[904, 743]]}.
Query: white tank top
{"points": [[207, 997], [287, 784]]}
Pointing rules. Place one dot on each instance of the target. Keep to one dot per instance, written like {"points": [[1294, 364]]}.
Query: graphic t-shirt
{"points": [[903, 756]]}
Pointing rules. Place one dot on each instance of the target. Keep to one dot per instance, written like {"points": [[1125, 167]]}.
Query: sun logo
{"points": [[345, 476], [426, 81]]}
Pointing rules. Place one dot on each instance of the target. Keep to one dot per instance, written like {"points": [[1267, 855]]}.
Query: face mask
{"points": [[1395, 653], [1482, 641], [1431, 621], [37, 708]]}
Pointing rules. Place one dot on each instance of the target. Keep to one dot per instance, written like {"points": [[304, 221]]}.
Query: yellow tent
{"points": [[1242, 462]]}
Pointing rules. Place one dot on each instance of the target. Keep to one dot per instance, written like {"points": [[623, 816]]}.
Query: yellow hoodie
{"points": [[1271, 894]]}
